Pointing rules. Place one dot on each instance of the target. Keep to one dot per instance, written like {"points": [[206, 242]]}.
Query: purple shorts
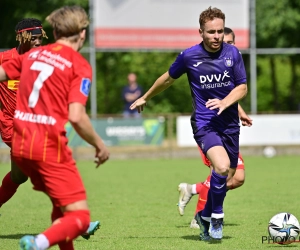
{"points": [[207, 137]]}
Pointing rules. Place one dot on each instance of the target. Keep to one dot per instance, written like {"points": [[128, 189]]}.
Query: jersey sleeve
{"points": [[81, 84], [239, 69], [13, 67], [178, 68]]}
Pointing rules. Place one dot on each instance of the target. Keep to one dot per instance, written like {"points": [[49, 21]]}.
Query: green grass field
{"points": [[136, 204]]}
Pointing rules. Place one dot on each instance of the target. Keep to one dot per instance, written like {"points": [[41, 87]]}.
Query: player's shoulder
{"points": [[65, 54], [229, 48], [191, 50], [8, 55], [76, 58]]}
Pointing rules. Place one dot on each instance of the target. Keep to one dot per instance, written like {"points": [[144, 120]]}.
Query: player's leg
{"points": [[69, 199], [202, 194], [239, 177], [236, 181], [203, 188], [224, 161], [11, 182], [186, 191], [217, 192], [212, 146], [73, 221]]}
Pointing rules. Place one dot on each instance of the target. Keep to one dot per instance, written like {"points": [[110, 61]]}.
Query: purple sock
{"points": [[218, 192], [206, 212]]}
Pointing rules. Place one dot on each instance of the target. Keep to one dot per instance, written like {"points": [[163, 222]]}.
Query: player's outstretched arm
{"points": [[245, 119], [234, 96], [83, 126], [3, 76], [162, 83]]}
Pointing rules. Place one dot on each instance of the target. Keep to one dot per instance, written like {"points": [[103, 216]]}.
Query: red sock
{"points": [[198, 187], [202, 194], [8, 189], [56, 214], [70, 226]]}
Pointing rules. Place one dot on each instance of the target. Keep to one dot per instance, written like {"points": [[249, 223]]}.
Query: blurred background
{"points": [[143, 37]]}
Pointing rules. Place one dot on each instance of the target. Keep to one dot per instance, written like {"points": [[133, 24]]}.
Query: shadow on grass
{"points": [[15, 236], [183, 226], [231, 224], [225, 225], [196, 237], [278, 245]]}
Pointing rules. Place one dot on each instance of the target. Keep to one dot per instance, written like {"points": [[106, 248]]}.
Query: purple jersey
{"points": [[211, 75]]}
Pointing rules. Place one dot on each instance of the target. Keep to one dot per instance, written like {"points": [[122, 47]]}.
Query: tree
{"points": [[278, 25]]}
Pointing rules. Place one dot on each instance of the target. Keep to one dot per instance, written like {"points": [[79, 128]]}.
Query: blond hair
{"points": [[68, 22]]}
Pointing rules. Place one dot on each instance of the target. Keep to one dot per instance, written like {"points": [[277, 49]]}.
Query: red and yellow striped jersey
{"points": [[9, 88], [52, 77]]}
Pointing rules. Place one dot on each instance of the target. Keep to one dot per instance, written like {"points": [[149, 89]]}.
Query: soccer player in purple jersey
{"points": [[217, 80], [186, 190]]}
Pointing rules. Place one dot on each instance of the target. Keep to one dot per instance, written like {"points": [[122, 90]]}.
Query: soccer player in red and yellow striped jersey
{"points": [[54, 84], [29, 34]]}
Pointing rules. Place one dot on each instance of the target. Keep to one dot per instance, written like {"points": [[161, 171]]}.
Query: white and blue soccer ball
{"points": [[284, 228]]}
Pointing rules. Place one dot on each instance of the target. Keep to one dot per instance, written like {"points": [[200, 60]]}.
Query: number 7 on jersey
{"points": [[46, 71]]}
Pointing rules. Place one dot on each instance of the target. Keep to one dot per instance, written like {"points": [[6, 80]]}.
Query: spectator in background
{"points": [[130, 93]]}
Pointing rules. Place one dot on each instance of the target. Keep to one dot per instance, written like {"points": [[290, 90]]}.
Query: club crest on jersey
{"points": [[85, 86], [228, 62]]}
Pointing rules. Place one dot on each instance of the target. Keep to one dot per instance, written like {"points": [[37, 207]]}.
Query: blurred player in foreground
{"points": [[29, 34], [186, 191], [217, 79], [55, 83]]}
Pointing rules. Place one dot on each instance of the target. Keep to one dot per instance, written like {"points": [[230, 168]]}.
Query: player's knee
{"points": [[79, 219], [86, 221], [222, 169], [83, 220], [239, 178], [16, 174], [18, 178], [240, 182]]}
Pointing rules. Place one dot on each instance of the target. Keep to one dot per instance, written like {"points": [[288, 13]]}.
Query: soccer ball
{"points": [[269, 152], [284, 228]]}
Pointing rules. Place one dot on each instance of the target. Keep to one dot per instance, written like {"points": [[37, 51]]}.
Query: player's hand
{"points": [[216, 104], [246, 120], [102, 155], [139, 104]]}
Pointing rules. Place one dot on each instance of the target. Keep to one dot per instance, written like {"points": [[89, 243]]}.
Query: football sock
{"points": [[207, 181], [70, 226], [198, 187], [218, 193], [41, 241], [206, 212], [8, 189], [202, 197]]}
